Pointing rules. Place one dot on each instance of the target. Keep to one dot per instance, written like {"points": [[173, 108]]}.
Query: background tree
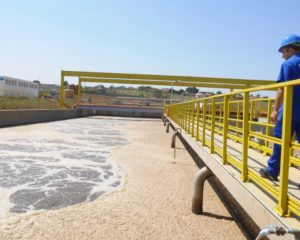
{"points": [[192, 90]]}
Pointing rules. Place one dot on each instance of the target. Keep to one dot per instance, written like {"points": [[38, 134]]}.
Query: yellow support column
{"points": [[212, 133], [225, 129], [62, 103], [282, 207], [245, 137], [79, 91]]}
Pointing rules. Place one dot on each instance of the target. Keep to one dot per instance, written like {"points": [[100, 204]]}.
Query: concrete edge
{"points": [[10, 118]]}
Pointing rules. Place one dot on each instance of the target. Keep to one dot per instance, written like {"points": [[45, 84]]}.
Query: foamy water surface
{"points": [[58, 164]]}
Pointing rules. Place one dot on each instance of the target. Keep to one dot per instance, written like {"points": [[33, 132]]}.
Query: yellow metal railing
{"points": [[237, 120]]}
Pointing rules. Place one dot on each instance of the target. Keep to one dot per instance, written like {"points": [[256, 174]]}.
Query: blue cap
{"points": [[291, 39]]}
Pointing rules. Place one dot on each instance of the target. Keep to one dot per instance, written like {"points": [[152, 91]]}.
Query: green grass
{"points": [[7, 103]]}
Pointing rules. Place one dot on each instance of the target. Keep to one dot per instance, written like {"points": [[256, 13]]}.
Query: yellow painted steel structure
{"points": [[214, 115], [159, 80]]}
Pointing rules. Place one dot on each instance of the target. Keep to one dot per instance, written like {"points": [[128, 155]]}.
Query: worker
{"points": [[290, 70]]}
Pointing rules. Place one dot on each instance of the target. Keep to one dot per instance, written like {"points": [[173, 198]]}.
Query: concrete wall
{"points": [[19, 117], [139, 112]]}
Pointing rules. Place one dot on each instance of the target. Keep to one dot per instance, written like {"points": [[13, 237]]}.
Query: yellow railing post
{"points": [[231, 110], [225, 129], [282, 207], [197, 119], [221, 115], [212, 133], [204, 122], [189, 118], [181, 115], [185, 116], [269, 111], [193, 119], [176, 114], [245, 137], [291, 149], [238, 113], [251, 113], [172, 112]]}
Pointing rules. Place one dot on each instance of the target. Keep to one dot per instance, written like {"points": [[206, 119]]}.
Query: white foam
{"points": [[69, 148]]}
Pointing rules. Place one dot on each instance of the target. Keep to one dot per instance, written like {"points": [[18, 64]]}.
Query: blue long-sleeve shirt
{"points": [[290, 70]]}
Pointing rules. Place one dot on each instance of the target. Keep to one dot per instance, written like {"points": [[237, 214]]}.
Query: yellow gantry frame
{"points": [[206, 119], [205, 116], [160, 80]]}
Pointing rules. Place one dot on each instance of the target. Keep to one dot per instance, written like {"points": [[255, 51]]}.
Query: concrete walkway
{"points": [[153, 200]]}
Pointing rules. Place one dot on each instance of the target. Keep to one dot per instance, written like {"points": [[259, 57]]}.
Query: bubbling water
{"points": [[59, 164]]}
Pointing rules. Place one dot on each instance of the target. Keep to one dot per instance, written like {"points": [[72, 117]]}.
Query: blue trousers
{"points": [[274, 160]]}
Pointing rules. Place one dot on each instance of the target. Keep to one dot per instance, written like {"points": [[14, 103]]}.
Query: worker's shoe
{"points": [[265, 174]]}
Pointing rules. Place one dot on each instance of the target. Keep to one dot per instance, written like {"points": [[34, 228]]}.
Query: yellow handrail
{"points": [[238, 120]]}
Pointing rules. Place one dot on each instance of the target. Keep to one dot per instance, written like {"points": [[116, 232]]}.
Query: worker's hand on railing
{"points": [[273, 116]]}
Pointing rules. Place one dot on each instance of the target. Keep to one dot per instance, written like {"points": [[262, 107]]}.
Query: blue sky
{"points": [[216, 38]]}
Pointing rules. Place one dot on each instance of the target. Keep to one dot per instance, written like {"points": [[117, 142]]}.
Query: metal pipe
{"points": [[279, 231], [173, 142], [165, 121], [197, 202], [168, 126]]}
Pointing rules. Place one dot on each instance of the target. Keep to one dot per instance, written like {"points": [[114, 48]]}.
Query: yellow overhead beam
{"points": [[165, 77], [163, 83]]}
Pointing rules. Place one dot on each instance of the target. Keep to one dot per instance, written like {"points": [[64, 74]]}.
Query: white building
{"points": [[18, 88], [203, 94]]}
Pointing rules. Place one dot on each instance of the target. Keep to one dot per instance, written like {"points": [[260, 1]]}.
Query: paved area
{"points": [[102, 178]]}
